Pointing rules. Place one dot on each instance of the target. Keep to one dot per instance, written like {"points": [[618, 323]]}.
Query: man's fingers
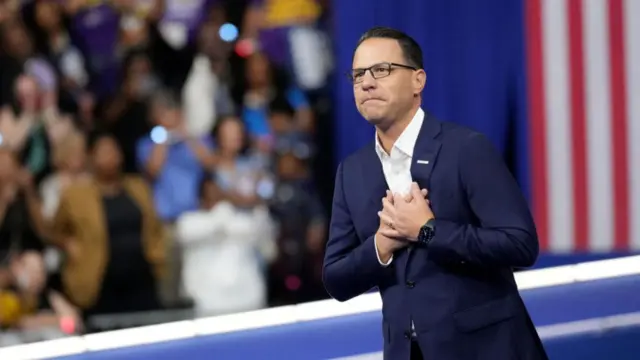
{"points": [[410, 195], [385, 219], [387, 207]]}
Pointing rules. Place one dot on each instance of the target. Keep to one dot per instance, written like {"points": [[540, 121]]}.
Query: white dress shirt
{"points": [[396, 165]]}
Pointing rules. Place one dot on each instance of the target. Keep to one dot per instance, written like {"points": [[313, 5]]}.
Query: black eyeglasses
{"points": [[378, 71]]}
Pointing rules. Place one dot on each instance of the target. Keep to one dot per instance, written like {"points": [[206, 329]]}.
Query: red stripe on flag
{"points": [[618, 95], [537, 121], [578, 126]]}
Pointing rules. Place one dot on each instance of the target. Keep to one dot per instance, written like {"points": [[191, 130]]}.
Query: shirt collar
{"points": [[407, 139]]}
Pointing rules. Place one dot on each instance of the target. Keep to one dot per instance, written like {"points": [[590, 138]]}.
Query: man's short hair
{"points": [[410, 49]]}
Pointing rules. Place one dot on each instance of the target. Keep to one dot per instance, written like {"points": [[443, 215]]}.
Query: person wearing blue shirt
{"points": [[173, 161]]}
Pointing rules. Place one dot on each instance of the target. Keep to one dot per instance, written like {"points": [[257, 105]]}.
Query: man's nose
{"points": [[368, 82]]}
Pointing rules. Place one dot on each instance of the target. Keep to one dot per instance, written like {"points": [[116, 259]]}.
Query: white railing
{"points": [[526, 280]]}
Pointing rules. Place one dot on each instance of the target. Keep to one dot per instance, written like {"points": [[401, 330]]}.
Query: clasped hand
{"points": [[402, 216]]}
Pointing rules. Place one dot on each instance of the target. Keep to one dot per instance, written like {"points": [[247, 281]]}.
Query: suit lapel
{"points": [[425, 152]]}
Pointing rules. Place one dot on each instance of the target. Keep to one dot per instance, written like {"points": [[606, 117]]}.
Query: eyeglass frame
{"points": [[389, 66]]}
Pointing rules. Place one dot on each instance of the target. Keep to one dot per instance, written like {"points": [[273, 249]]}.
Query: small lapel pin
{"points": [[423, 162]]}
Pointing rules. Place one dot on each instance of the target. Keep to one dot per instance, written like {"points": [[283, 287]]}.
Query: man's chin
{"points": [[373, 117], [375, 120]]}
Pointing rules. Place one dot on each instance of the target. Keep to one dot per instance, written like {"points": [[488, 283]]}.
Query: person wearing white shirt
{"points": [[225, 252], [444, 264]]}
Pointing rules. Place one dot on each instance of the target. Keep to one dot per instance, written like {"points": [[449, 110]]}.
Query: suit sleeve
{"points": [[506, 234], [351, 266]]}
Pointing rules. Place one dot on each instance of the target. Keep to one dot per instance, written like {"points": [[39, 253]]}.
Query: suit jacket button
{"points": [[407, 335], [410, 284]]}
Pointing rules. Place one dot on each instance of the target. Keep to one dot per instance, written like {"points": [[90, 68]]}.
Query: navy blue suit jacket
{"points": [[459, 290]]}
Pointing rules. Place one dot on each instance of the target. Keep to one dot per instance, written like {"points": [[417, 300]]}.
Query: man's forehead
{"points": [[377, 50]]}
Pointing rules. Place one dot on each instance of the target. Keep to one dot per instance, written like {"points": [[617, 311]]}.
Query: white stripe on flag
{"points": [[558, 134], [598, 125], [632, 48]]}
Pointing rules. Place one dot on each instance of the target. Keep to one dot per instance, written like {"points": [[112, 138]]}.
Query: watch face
{"points": [[423, 234], [426, 233]]}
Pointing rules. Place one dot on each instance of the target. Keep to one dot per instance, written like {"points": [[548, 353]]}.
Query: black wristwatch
{"points": [[427, 232]]}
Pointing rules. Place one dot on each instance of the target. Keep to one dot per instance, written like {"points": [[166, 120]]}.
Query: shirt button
{"points": [[410, 284], [407, 335]]}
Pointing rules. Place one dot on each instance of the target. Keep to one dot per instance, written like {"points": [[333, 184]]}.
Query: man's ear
{"points": [[419, 81]]}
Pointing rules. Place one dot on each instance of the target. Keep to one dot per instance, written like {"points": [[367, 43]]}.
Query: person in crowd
{"points": [[126, 112], [176, 36], [172, 159], [206, 95], [296, 276], [53, 41], [17, 49], [112, 238], [29, 303], [225, 250], [284, 127], [264, 84], [93, 26], [240, 173], [69, 160], [37, 124]]}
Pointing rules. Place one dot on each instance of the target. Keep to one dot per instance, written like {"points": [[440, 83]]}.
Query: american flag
{"points": [[584, 92]]}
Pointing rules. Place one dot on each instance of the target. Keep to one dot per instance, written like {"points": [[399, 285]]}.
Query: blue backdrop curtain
{"points": [[475, 63]]}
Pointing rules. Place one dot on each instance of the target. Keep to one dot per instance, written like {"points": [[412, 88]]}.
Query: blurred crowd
{"points": [[153, 156]]}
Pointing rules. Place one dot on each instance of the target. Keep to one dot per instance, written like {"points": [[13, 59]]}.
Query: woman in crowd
{"points": [[112, 238], [240, 172]]}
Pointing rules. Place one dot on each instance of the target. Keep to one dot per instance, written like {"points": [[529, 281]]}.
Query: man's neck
{"points": [[388, 135]]}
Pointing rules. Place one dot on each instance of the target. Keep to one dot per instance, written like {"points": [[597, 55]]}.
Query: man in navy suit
{"points": [[429, 214]]}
